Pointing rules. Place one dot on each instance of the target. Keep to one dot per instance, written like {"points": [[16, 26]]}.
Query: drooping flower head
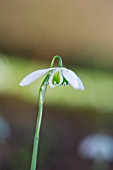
{"points": [[57, 76]]}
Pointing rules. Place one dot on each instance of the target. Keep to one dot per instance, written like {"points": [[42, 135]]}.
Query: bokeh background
{"points": [[31, 33]]}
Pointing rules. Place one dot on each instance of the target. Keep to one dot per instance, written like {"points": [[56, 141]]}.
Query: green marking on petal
{"points": [[56, 78], [65, 82]]}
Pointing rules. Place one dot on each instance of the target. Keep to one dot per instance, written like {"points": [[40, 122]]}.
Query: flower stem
{"points": [[38, 124], [60, 61]]}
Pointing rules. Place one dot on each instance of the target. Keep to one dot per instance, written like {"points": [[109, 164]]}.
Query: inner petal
{"points": [[57, 78], [65, 82]]}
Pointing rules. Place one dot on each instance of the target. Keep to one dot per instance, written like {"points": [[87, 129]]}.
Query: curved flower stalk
{"points": [[56, 76]]}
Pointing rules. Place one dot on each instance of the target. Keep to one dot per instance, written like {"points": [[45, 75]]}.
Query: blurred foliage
{"points": [[20, 154], [98, 84]]}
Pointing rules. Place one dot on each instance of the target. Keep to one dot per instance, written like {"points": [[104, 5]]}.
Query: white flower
{"points": [[98, 146], [58, 76]]}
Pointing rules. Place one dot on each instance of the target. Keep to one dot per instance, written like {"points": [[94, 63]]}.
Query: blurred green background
{"points": [[31, 33]]}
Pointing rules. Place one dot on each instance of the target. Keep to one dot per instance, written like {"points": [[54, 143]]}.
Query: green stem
{"points": [[60, 61], [38, 124]]}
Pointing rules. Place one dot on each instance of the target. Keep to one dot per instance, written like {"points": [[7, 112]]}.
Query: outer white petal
{"points": [[33, 76], [81, 86], [72, 78]]}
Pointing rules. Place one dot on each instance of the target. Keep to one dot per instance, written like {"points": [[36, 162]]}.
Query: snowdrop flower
{"points": [[57, 76], [98, 147]]}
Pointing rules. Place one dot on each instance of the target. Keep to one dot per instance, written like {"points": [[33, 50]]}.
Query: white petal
{"points": [[71, 77], [81, 86], [50, 79], [52, 75], [33, 76], [61, 77]]}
